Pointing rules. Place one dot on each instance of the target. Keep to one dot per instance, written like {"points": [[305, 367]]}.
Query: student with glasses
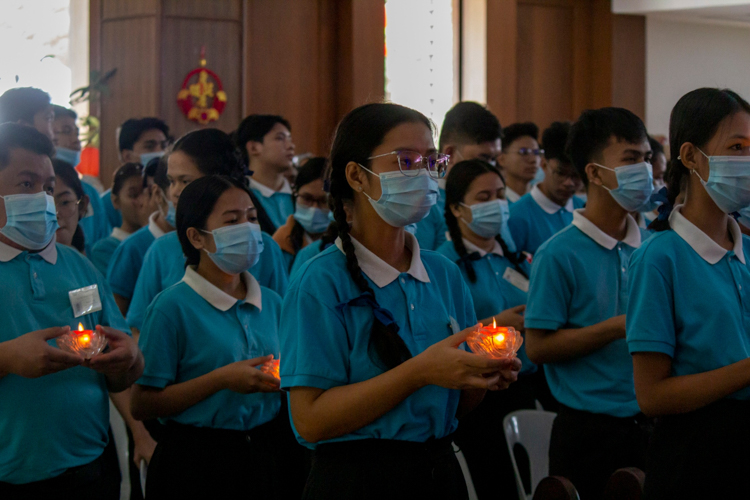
{"points": [[520, 159], [311, 217], [371, 327], [71, 204], [549, 206], [129, 198]]}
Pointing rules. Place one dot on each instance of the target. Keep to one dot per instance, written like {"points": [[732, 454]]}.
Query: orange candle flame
{"points": [[87, 343], [494, 341]]}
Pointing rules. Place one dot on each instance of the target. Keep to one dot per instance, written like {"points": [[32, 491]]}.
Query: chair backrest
{"points": [[555, 488], [625, 484], [532, 430]]}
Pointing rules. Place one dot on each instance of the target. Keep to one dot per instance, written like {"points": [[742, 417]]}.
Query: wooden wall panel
{"points": [[502, 57], [545, 63], [118, 9], [230, 10], [134, 90], [629, 63], [181, 49]]}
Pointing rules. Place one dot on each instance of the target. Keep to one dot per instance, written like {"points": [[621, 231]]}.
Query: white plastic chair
{"points": [[144, 471], [120, 433], [465, 469], [532, 430]]}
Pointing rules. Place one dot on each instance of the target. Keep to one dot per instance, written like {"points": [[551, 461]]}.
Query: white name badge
{"points": [[85, 300], [516, 279]]}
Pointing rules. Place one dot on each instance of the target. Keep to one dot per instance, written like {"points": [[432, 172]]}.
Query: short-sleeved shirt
{"points": [[325, 346], [164, 265], [278, 204], [535, 218], [194, 328], [127, 260], [690, 299], [579, 278], [103, 250], [512, 196], [498, 285], [113, 215], [431, 231], [51, 423], [95, 225], [304, 255]]}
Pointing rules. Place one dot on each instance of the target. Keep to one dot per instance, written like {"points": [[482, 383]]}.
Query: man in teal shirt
{"points": [[55, 415]]}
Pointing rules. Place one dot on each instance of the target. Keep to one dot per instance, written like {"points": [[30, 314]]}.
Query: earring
{"points": [[359, 188]]}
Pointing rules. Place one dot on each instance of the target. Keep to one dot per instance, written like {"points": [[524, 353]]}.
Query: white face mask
{"points": [[728, 181], [404, 200]]}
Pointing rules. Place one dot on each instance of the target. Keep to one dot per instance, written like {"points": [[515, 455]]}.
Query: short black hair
{"points": [[254, 128], [14, 135], [518, 130], [62, 111], [590, 134], [22, 103], [656, 147], [469, 123], [125, 172], [554, 139], [132, 130]]}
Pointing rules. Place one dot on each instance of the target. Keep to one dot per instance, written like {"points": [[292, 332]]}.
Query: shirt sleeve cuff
{"points": [[650, 346], [120, 291], [157, 382], [542, 324], [288, 381]]}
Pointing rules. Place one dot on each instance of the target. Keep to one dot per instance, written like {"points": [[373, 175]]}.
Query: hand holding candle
{"points": [[494, 341], [86, 343], [271, 368]]}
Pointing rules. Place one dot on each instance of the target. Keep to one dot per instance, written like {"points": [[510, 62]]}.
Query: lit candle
{"points": [[271, 368], [87, 343], [495, 341]]}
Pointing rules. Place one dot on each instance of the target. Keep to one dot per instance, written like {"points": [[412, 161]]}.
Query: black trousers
{"points": [[97, 480], [588, 447], [155, 429], [701, 454], [481, 437], [199, 462], [380, 469]]}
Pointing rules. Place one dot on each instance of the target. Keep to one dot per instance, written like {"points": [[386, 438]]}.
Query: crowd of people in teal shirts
{"points": [[296, 329]]}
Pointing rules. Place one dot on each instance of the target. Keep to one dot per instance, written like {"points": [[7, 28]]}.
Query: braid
{"points": [[675, 177], [296, 237], [385, 348], [330, 236], [458, 243], [515, 258]]}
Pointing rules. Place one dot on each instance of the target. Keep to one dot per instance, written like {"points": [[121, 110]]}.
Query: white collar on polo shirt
{"points": [[708, 249], [218, 298], [382, 273], [266, 191], [471, 247], [119, 234], [632, 236], [8, 253], [548, 205], [511, 195], [153, 227]]}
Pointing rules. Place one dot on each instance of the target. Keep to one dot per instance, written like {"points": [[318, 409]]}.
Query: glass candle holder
{"points": [[495, 341], [271, 368], [85, 343]]}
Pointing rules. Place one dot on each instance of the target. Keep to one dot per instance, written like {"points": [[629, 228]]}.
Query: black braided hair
{"points": [[695, 119], [358, 134], [457, 183]]}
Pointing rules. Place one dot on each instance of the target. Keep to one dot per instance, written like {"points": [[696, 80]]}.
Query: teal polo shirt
{"points": [[101, 254], [164, 265], [113, 215], [535, 218], [304, 255], [95, 225], [279, 205], [690, 299], [579, 278], [127, 260], [325, 346], [193, 328], [431, 231], [51, 423]]}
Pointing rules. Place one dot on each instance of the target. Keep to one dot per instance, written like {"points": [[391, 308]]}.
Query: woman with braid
{"points": [[372, 328], [476, 212]]}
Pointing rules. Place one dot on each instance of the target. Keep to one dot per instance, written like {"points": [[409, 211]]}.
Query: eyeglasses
{"points": [[411, 162], [529, 152], [66, 208], [313, 201]]}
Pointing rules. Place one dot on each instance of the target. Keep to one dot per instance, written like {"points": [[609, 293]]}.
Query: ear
{"points": [[253, 148], [545, 165], [501, 159], [128, 156], [592, 172], [115, 201], [356, 177], [456, 210], [689, 156], [83, 206], [195, 238]]}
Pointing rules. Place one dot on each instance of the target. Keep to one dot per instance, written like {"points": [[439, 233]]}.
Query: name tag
{"points": [[516, 279], [85, 300]]}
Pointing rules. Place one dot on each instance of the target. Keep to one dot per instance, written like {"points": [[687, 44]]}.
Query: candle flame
{"points": [[85, 339], [494, 323], [80, 327], [499, 337]]}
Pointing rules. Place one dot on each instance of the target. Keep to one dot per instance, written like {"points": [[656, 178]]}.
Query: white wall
{"points": [[683, 56]]}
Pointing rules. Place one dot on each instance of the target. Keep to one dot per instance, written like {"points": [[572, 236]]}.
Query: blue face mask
{"points": [[728, 182], [488, 218], [635, 184], [68, 155], [147, 157], [312, 219], [31, 219], [238, 247], [538, 177], [171, 215], [411, 229], [404, 200]]}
